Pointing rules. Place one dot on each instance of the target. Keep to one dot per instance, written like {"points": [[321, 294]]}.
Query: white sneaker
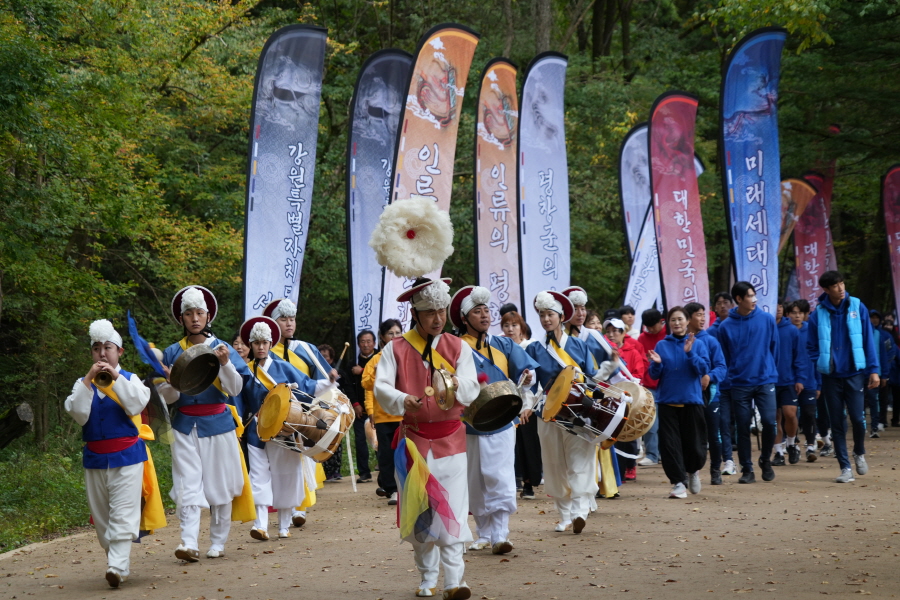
{"points": [[646, 462], [729, 469], [215, 553], [393, 500], [560, 527], [480, 544], [678, 491], [881, 427], [846, 476], [862, 467], [694, 482]]}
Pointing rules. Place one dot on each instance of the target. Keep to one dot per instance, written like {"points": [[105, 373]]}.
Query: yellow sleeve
{"points": [[368, 383]]}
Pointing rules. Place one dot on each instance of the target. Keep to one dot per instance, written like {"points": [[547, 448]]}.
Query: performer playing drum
{"points": [[207, 465], [431, 441], [276, 473], [569, 461], [491, 454]]}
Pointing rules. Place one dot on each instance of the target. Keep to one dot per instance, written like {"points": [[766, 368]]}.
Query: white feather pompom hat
{"points": [[257, 329], [413, 237], [102, 331], [464, 300], [577, 295], [553, 300]]}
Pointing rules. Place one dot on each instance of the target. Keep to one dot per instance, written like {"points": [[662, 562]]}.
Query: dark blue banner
{"points": [[752, 173]]}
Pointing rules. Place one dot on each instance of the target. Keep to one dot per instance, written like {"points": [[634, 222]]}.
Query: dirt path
{"points": [[801, 536]]}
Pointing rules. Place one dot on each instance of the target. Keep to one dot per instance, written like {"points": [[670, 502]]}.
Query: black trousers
{"points": [[895, 398], [385, 434], [629, 448], [361, 448], [682, 440], [808, 423], [528, 452]]}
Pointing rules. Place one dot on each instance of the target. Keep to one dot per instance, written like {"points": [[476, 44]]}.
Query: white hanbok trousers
{"points": [[570, 471], [114, 498], [492, 483]]}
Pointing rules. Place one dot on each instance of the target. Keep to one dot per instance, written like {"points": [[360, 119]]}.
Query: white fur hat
{"points": [[260, 333], [102, 331], [464, 300], [281, 307], [257, 329], [553, 300], [413, 237], [194, 296], [577, 295]]}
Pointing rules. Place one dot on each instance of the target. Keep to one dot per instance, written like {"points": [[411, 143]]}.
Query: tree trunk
{"points": [[510, 30], [625, 17], [597, 29], [541, 25], [15, 424]]}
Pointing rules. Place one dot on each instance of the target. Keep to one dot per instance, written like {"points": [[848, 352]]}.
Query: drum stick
{"points": [[350, 463], [343, 352]]}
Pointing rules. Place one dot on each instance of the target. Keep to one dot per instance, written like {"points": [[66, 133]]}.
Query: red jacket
{"points": [[648, 341]]}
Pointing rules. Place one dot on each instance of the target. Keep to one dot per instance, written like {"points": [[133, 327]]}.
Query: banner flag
{"points": [[792, 290], [426, 140], [634, 185], [823, 184], [374, 116], [544, 248], [495, 215], [809, 248], [676, 200], [752, 174], [284, 126], [890, 194], [795, 196]]}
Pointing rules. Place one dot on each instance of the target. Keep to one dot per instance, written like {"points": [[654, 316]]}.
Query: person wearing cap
{"points": [[607, 361], [632, 354], [116, 461], [432, 440], [207, 464], [569, 461], [276, 473], [306, 358], [491, 454]]}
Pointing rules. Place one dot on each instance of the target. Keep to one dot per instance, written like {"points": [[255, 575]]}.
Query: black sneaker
{"points": [[778, 461], [715, 477], [768, 474], [364, 479], [527, 491], [747, 477], [793, 454]]}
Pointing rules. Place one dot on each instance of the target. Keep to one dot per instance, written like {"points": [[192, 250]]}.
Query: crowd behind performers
{"points": [[792, 379]]}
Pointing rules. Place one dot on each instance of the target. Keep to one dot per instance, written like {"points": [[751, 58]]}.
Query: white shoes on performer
{"points": [[426, 589], [259, 534], [560, 527], [114, 578], [215, 553], [480, 544], [299, 518], [284, 533], [187, 554], [502, 547], [458, 593]]}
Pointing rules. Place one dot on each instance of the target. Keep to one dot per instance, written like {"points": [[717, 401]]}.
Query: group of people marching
{"points": [[796, 371]]}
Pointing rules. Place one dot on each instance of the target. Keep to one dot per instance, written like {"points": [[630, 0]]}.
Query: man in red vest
{"points": [[432, 436]]}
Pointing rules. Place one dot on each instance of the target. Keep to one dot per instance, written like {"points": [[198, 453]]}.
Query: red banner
{"points": [[890, 193], [676, 200], [810, 242], [824, 184]]}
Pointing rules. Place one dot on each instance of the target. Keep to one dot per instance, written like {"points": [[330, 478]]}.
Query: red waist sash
{"points": [[429, 431], [113, 445], [202, 410]]}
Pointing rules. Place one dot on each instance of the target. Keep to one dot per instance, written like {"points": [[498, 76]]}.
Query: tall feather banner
{"points": [[426, 145], [284, 125], [890, 194], [752, 174], [544, 247], [676, 200], [823, 184], [374, 118], [495, 214], [795, 196], [810, 237], [634, 184]]}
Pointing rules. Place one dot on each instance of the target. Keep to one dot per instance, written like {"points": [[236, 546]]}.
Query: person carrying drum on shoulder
{"points": [[680, 362], [116, 461], [276, 473], [412, 380], [607, 358], [307, 359], [491, 454], [207, 463], [570, 474]]}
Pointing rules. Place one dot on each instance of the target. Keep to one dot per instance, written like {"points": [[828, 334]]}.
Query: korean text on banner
{"points": [[544, 246], [284, 125], [752, 174], [809, 248], [374, 118], [676, 200], [426, 145], [495, 214], [823, 184]]}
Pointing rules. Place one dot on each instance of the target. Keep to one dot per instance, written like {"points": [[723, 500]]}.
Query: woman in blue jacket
{"points": [[679, 365]]}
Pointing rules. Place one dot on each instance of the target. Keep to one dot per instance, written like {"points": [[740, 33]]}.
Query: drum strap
{"points": [[296, 361], [562, 356]]}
